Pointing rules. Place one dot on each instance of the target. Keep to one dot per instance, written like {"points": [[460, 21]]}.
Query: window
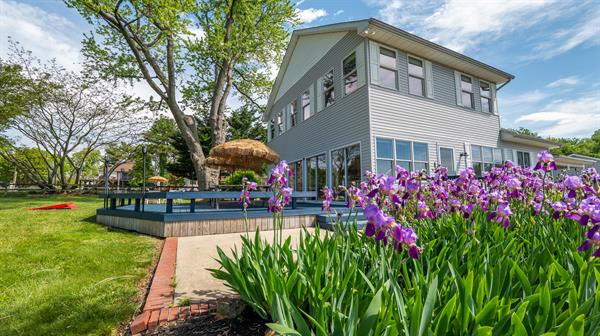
{"points": [[523, 159], [388, 74], [293, 113], [296, 182], [350, 74], [280, 123], [328, 91], [385, 156], [412, 156], [345, 167], [484, 158], [447, 159], [316, 170], [306, 104], [416, 77], [486, 97], [272, 128], [466, 89]]}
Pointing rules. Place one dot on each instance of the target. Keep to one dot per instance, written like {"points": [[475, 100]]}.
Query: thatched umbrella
{"points": [[241, 154], [157, 179]]}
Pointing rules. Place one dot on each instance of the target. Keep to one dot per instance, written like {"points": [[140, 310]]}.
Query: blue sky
{"points": [[552, 47]]}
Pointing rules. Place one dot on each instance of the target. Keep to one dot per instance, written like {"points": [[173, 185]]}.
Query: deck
{"points": [[188, 214]]}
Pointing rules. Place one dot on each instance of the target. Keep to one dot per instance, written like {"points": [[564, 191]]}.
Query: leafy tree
{"points": [[585, 146], [525, 131], [246, 123], [77, 114], [154, 41], [159, 141]]}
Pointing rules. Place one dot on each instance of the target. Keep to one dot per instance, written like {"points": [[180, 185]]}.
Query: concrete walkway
{"points": [[196, 254]]}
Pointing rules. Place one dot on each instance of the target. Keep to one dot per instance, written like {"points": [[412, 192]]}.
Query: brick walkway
{"points": [[159, 303]]}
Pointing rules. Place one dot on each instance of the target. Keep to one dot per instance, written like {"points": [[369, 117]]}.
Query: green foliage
{"points": [[585, 146], [246, 123], [236, 177], [472, 278], [159, 142], [62, 274]]}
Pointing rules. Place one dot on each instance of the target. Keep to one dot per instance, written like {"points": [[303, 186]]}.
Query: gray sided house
{"points": [[364, 95]]}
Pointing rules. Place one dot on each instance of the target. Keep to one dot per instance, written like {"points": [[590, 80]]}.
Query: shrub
{"points": [[236, 177]]}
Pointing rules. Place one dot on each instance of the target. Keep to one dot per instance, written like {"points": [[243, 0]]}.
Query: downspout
{"points": [[503, 84]]}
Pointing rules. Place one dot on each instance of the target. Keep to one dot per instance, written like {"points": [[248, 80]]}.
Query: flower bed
{"points": [[511, 253]]}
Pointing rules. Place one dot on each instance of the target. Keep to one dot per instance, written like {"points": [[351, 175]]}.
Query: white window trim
{"points": [[412, 152], [439, 155], [322, 89], [290, 106], [408, 75], [459, 90], [344, 94], [379, 66], [310, 114], [306, 159], [329, 162], [490, 98]]}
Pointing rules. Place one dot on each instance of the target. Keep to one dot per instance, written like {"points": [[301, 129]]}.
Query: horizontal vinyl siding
{"points": [[343, 123], [398, 116], [443, 85]]}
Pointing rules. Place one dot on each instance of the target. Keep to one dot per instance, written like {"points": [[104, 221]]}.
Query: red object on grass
{"points": [[61, 206]]}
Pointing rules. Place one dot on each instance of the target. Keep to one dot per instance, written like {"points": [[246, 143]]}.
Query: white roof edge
{"points": [[584, 157]]}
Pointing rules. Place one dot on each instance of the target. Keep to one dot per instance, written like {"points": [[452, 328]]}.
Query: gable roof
{"points": [[380, 31]]}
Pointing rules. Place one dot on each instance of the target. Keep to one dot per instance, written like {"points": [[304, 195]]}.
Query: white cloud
{"points": [[530, 97], [463, 25], [310, 14], [45, 34], [339, 12], [586, 32], [566, 118], [571, 80]]}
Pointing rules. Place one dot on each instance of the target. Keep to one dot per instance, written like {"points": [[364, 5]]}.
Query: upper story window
{"points": [[486, 96], [272, 128], [416, 77], [328, 91], [388, 70], [280, 122], [305, 100], [350, 73], [466, 89], [293, 113]]}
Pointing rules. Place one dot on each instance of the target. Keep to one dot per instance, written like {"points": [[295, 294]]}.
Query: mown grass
{"points": [[62, 274]]}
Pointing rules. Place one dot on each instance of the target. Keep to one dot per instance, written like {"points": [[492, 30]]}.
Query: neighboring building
{"points": [[365, 95], [120, 175], [589, 161]]}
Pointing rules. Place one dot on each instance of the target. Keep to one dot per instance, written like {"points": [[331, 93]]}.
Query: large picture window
{"points": [[297, 176], [388, 70], [350, 74], [412, 156], [345, 167], [328, 89], [484, 158], [316, 173]]}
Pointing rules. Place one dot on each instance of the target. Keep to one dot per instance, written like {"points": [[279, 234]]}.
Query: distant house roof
{"points": [[585, 157], [387, 34], [125, 167], [509, 135], [571, 160]]}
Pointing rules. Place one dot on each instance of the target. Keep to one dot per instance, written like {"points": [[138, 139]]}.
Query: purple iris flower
{"points": [[327, 196], [405, 236], [545, 161], [559, 207], [423, 210], [501, 214], [593, 240], [573, 183]]}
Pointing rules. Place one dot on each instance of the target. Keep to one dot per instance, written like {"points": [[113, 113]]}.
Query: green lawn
{"points": [[62, 274]]}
